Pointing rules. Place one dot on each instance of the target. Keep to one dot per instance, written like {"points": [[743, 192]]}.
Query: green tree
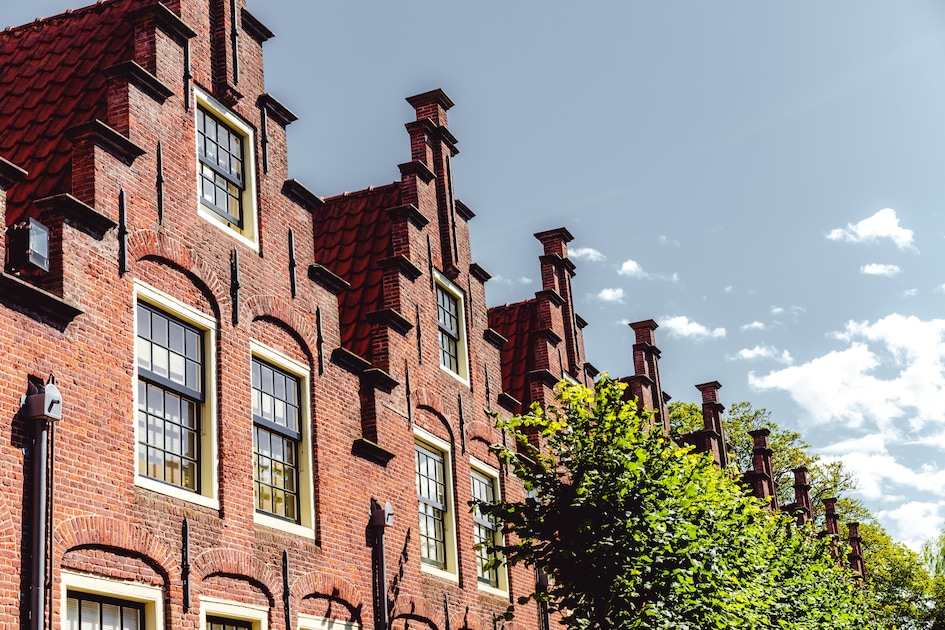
{"points": [[900, 589], [827, 479], [636, 531]]}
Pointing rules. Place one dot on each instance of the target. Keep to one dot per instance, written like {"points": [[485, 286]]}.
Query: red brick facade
{"points": [[99, 122], [370, 301]]}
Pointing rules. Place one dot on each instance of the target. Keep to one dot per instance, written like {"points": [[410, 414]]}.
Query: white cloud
{"points": [[681, 326], [763, 352], [633, 269], [918, 520], [877, 269], [755, 325], [610, 295], [910, 293], [883, 224], [793, 310], [844, 385], [729, 289], [499, 279], [588, 254], [665, 240]]}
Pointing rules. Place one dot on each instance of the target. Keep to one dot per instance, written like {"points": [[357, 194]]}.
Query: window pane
{"points": [[168, 436], [111, 617], [89, 616]]}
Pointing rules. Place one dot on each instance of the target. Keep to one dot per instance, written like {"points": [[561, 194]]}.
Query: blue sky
{"points": [[765, 180]]}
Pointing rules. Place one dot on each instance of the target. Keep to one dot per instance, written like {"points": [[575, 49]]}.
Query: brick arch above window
{"points": [[148, 245], [240, 565], [280, 313], [334, 588], [432, 418], [415, 611], [111, 534]]}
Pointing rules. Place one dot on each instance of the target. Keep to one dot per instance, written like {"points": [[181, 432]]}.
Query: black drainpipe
{"points": [[42, 404], [381, 518]]}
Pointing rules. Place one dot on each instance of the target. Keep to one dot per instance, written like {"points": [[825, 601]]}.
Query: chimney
{"points": [[761, 463], [802, 495], [645, 382], [856, 550], [761, 476], [431, 148], [833, 519], [712, 418], [556, 273]]}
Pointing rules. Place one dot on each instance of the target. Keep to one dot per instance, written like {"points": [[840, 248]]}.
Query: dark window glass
{"points": [[170, 390], [484, 529], [276, 440], [220, 153], [447, 312], [431, 493], [92, 612]]}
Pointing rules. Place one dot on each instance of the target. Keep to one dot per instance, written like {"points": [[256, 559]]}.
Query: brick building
{"points": [[248, 372]]}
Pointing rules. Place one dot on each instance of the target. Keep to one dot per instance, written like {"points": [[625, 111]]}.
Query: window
{"points": [[435, 497], [485, 487], [431, 491], [220, 623], [170, 393], [451, 324], [484, 529], [276, 437], [310, 622], [282, 448], [220, 153], [225, 169], [176, 450], [95, 603], [220, 614], [92, 612]]}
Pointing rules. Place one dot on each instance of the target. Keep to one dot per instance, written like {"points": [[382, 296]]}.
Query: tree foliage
{"points": [[901, 592], [827, 479], [636, 531]]}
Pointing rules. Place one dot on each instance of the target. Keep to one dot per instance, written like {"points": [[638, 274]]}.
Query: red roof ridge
{"points": [[364, 192], [513, 304], [68, 14]]}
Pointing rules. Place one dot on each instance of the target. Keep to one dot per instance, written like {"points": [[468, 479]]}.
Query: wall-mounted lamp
{"points": [[28, 247]]}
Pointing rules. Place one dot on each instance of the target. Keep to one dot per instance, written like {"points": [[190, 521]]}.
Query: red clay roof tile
{"points": [[52, 78], [516, 322], [352, 236]]}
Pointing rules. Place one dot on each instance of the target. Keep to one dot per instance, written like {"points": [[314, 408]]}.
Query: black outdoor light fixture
{"points": [[28, 249]]}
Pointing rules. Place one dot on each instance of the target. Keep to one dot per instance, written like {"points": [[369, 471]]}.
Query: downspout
{"points": [[42, 404], [381, 518]]}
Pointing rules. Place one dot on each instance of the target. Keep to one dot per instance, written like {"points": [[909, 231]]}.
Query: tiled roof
{"points": [[52, 78], [352, 236], [516, 322]]}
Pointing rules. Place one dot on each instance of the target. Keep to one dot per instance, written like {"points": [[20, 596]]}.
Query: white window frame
{"points": [[306, 525], [151, 596], [248, 234], [256, 616], [429, 441], [462, 349], [208, 496], [502, 573], [311, 622]]}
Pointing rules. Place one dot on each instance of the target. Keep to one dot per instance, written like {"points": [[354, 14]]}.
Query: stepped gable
{"points": [[352, 236], [516, 322], [52, 77]]}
